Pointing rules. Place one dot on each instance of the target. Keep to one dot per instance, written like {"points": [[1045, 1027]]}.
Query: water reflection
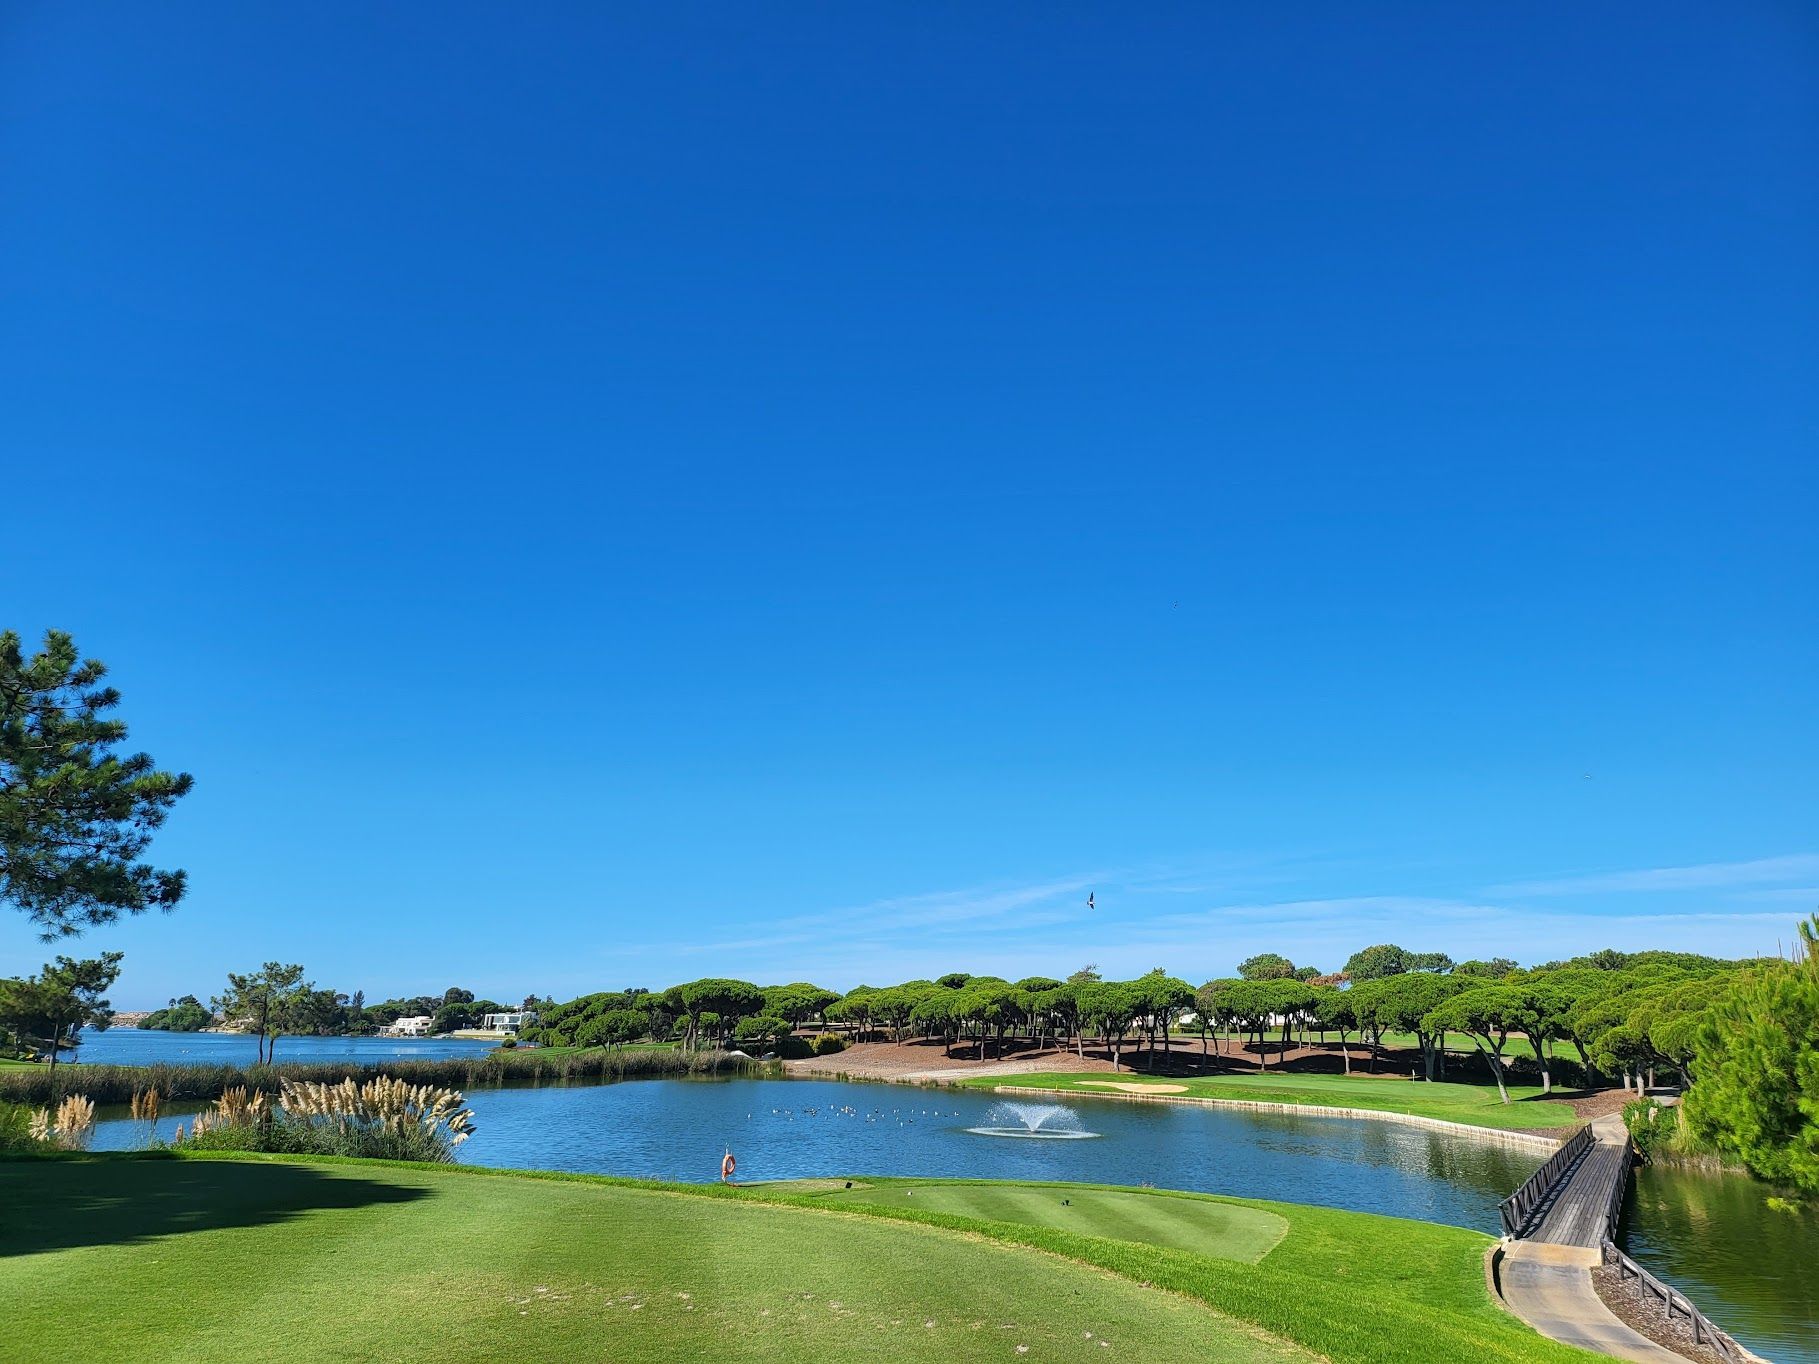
{"points": [[789, 1129], [1750, 1268], [152, 1046]]}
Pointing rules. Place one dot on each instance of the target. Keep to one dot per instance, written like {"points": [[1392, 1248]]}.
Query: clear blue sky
{"points": [[609, 494]]}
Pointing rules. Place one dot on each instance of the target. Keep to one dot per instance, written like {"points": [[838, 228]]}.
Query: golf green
{"points": [[1229, 1231]]}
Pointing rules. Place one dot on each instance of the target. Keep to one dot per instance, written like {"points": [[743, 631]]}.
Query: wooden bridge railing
{"points": [[1672, 1301], [1613, 1210], [1520, 1206], [1518, 1210]]}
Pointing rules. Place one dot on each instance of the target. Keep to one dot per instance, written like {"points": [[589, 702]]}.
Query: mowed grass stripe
{"points": [[212, 1260], [1350, 1286], [1227, 1231]]}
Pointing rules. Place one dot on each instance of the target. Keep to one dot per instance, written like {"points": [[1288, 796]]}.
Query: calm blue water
{"points": [[791, 1129], [144, 1046], [1750, 1268]]}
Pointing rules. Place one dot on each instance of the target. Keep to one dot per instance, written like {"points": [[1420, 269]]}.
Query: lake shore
{"points": [[202, 1082], [1535, 1124], [1539, 1143]]}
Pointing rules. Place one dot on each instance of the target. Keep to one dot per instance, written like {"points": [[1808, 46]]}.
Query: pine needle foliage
{"points": [[76, 813]]}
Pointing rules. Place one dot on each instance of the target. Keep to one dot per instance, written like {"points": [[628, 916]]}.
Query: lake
{"points": [[793, 1129], [1750, 1268]]}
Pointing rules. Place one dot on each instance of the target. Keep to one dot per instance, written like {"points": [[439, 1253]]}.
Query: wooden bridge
{"points": [[1561, 1224], [1575, 1198]]}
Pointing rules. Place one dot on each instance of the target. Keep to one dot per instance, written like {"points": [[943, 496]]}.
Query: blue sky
{"points": [[613, 494]]}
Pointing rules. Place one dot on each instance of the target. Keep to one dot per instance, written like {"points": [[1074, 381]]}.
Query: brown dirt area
{"points": [[1595, 1103], [926, 1060]]}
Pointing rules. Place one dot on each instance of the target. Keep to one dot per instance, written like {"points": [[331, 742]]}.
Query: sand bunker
{"points": [[1127, 1087]]}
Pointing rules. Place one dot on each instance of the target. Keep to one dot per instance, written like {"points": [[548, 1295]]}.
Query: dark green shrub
{"points": [[186, 1015], [16, 1129], [1652, 1126], [829, 1043], [760, 1031]]}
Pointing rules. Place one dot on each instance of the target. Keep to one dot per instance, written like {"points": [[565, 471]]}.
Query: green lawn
{"points": [[200, 1260], [1477, 1105], [203, 1259], [1349, 1286], [1461, 1047], [1230, 1231]]}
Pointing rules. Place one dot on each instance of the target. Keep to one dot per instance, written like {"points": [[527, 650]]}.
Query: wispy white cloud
{"points": [[1701, 876], [973, 910], [1348, 908], [1201, 921], [1781, 895]]}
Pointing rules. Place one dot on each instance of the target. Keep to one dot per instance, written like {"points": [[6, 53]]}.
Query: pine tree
{"points": [[75, 814]]}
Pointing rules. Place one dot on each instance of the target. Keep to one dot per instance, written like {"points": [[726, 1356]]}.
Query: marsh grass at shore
{"points": [[496, 1070]]}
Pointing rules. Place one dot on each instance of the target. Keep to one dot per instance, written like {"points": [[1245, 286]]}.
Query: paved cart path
{"points": [[1546, 1277]]}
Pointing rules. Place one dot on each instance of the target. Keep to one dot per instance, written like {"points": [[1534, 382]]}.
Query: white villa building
{"points": [[417, 1025], [509, 1022]]}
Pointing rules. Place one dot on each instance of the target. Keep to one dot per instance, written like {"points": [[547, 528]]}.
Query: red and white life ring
{"points": [[727, 1166]]}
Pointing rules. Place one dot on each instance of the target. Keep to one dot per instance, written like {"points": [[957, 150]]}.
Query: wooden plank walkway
{"points": [[1561, 1224], [1579, 1211], [1546, 1273]]}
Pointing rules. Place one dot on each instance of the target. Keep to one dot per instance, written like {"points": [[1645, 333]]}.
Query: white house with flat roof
{"points": [[416, 1025], [509, 1022]]}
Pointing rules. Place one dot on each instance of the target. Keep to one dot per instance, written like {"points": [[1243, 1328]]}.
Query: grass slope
{"points": [[1349, 1286], [1476, 1105], [202, 1260], [1230, 1231]]}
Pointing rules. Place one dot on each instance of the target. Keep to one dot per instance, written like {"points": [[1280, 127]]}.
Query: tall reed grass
{"points": [[70, 1128], [496, 1070], [383, 1119]]}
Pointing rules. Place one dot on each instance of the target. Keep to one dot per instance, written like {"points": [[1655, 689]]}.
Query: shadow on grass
{"points": [[48, 1205]]}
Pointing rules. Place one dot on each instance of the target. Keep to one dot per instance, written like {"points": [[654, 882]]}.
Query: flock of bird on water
{"points": [[848, 1111]]}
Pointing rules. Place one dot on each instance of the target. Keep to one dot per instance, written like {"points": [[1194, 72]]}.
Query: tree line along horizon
{"points": [[1718, 1027], [77, 815]]}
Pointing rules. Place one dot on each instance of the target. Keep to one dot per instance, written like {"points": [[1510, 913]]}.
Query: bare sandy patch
{"points": [[1127, 1087], [924, 1061]]}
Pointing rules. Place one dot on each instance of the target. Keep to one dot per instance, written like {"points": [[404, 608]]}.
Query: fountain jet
{"points": [[1038, 1122]]}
